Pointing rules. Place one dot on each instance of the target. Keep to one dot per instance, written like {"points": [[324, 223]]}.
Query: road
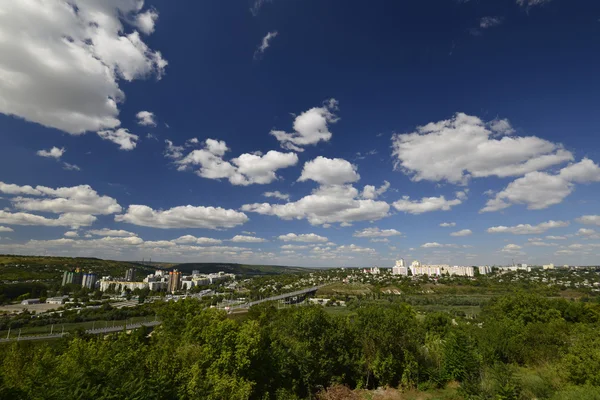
{"points": [[98, 331]]}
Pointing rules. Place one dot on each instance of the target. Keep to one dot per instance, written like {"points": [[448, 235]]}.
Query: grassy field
{"points": [[44, 330], [352, 289]]}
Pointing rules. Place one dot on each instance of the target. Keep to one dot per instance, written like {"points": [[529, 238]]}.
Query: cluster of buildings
{"points": [[171, 281], [78, 277], [418, 269]]}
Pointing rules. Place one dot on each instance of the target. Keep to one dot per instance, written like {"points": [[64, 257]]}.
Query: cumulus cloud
{"points": [[465, 147], [464, 232], [189, 239], [247, 239], [512, 249], [146, 21], [556, 238], [77, 205], [586, 219], [71, 234], [277, 194], [376, 232], [247, 169], [434, 245], [265, 43], [68, 219], [54, 152], [304, 237], [122, 137], [310, 127], [146, 118], [527, 229], [6, 229], [63, 60], [427, 204], [448, 224], [329, 171], [111, 232], [183, 217], [77, 199], [370, 192], [326, 205], [539, 190]]}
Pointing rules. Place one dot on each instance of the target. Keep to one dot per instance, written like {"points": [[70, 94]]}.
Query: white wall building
{"points": [[400, 268]]}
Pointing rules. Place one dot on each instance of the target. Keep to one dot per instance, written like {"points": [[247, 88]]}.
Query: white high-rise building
{"points": [[400, 268], [548, 266]]}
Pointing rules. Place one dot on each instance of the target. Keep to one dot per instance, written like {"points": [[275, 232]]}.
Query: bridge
{"points": [[97, 331], [284, 296]]}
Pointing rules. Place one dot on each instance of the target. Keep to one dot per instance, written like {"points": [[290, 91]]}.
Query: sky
{"points": [[314, 133]]}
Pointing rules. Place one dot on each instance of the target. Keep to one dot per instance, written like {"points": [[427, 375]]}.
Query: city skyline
{"points": [[457, 134]]}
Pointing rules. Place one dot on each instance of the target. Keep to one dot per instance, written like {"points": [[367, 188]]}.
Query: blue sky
{"points": [[134, 129]]}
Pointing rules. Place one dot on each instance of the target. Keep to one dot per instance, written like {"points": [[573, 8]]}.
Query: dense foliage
{"points": [[524, 346]]}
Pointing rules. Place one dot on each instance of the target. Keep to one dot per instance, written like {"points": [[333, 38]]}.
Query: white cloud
{"points": [[192, 142], [54, 152], [111, 232], [68, 219], [189, 239], [305, 238], [310, 127], [564, 253], [586, 232], [448, 224], [433, 245], [426, 204], [122, 137], [77, 199], [542, 244], [62, 60], [539, 190], [371, 193], [585, 219], [265, 43], [172, 151], [257, 6], [6, 229], [10, 188], [329, 171], [247, 239], [146, 118], [183, 217], [556, 238], [145, 21], [512, 249], [244, 170], [464, 232], [380, 240], [326, 204], [527, 229], [490, 22], [376, 232], [71, 234], [464, 146], [277, 195], [531, 3], [70, 167], [294, 247]]}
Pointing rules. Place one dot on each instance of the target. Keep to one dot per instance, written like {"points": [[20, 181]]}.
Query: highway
{"points": [[98, 331]]}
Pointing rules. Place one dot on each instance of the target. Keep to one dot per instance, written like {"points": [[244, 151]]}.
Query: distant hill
{"points": [[239, 269], [22, 268]]}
